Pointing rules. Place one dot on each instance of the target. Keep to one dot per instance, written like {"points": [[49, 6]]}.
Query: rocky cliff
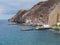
{"points": [[18, 17], [37, 15]]}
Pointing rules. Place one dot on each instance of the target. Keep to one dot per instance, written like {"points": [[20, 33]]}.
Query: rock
{"points": [[18, 17], [38, 14]]}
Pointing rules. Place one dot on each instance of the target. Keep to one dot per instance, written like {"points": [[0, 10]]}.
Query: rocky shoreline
{"points": [[37, 15]]}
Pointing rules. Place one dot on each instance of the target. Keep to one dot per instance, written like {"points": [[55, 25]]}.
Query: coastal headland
{"points": [[46, 13]]}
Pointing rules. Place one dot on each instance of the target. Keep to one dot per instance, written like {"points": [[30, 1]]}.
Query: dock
{"points": [[38, 28], [42, 28]]}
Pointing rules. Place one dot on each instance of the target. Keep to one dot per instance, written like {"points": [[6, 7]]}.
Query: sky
{"points": [[8, 8]]}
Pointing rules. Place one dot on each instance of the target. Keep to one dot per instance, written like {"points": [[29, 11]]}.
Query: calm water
{"points": [[12, 35]]}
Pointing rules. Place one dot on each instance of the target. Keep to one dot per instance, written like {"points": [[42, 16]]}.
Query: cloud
{"points": [[10, 7], [17, 3], [6, 16], [1, 10]]}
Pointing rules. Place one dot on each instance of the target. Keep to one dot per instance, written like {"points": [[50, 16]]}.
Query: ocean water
{"points": [[12, 35]]}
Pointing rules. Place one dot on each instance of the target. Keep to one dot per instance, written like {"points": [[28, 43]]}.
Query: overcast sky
{"points": [[8, 8]]}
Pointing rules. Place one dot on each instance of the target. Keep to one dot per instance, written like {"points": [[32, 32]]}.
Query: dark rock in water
{"points": [[37, 15]]}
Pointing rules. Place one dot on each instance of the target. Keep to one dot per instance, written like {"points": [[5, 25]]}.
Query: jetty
{"points": [[29, 29], [44, 27], [36, 28]]}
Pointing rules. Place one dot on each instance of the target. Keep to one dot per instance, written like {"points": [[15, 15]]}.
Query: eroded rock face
{"points": [[18, 17], [54, 16], [38, 14]]}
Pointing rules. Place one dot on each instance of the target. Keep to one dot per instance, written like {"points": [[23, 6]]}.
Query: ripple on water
{"points": [[11, 35]]}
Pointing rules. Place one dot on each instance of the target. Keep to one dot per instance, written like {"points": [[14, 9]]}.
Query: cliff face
{"points": [[54, 16], [38, 14], [18, 17]]}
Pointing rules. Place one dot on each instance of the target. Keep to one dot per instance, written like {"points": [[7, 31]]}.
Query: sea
{"points": [[12, 34]]}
